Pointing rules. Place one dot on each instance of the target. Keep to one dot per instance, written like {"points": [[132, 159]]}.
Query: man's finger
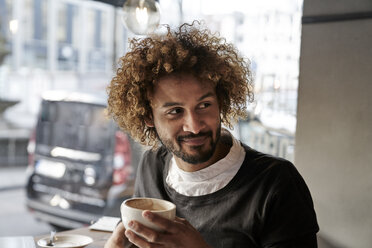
{"points": [[139, 241], [158, 220], [147, 233], [117, 239], [182, 221], [119, 231]]}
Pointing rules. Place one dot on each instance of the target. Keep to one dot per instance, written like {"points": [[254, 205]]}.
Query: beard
{"points": [[200, 154]]}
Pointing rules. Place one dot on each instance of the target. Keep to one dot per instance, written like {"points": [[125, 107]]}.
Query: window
{"points": [[68, 30], [35, 33], [96, 39], [5, 33]]}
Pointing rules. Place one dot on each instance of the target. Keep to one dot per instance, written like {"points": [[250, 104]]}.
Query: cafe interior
{"points": [[333, 137]]}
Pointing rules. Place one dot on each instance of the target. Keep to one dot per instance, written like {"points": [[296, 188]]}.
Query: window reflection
{"points": [[121, 36], [58, 35], [5, 34], [96, 40], [67, 36], [35, 33]]}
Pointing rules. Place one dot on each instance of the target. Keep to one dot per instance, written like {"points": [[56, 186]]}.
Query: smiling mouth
{"points": [[194, 140]]}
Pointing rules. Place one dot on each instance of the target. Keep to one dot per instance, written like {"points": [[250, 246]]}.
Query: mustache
{"points": [[190, 136]]}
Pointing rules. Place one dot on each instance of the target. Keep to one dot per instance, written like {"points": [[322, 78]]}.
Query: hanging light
{"points": [[141, 16]]}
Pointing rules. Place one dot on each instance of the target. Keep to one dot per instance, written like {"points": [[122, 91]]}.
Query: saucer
{"points": [[66, 241]]}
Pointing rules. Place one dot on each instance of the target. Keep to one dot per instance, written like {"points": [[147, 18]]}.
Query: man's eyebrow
{"points": [[171, 104], [206, 95]]}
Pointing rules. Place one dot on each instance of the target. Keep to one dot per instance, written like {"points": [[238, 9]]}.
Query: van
{"points": [[81, 166]]}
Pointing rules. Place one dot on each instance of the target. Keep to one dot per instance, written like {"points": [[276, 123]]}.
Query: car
{"points": [[81, 166]]}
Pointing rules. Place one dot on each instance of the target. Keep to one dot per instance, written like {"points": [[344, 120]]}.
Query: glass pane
{"points": [[5, 33], [35, 33], [268, 33], [68, 29], [121, 36], [97, 40]]}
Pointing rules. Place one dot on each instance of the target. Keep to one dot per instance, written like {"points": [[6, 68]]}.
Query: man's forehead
{"points": [[182, 78], [177, 85]]}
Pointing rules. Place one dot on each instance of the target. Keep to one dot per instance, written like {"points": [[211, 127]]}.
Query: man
{"points": [[177, 89]]}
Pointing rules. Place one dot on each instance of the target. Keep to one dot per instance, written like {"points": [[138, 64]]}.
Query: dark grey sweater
{"points": [[266, 204]]}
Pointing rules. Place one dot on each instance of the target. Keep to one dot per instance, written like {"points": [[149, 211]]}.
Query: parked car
{"points": [[81, 166]]}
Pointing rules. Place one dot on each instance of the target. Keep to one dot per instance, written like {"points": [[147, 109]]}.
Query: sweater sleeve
{"points": [[149, 178], [290, 219]]}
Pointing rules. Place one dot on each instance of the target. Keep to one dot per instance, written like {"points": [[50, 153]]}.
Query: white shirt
{"points": [[209, 179]]}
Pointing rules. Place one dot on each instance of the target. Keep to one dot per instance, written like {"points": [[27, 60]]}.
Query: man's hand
{"points": [[178, 233], [117, 239]]}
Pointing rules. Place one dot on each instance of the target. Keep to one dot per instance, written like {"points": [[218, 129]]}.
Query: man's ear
{"points": [[149, 121]]}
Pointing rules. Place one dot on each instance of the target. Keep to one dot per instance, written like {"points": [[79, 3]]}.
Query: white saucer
{"points": [[66, 241]]}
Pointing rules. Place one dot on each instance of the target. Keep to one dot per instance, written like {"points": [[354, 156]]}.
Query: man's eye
{"points": [[204, 105], [175, 111]]}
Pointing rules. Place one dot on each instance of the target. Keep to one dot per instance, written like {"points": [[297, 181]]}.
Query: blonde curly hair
{"points": [[189, 49]]}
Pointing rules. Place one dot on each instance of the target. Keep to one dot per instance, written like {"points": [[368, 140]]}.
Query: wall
{"points": [[334, 125]]}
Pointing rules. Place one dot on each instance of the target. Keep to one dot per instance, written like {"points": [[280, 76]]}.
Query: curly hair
{"points": [[189, 49]]}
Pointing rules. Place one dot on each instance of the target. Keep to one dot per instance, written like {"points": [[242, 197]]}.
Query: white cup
{"points": [[131, 209]]}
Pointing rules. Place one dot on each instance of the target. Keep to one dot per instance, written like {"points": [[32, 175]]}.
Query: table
{"points": [[99, 237]]}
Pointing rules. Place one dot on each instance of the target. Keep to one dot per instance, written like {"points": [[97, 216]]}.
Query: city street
{"points": [[14, 216]]}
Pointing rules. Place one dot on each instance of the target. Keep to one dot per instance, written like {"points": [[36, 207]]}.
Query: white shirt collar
{"points": [[209, 179]]}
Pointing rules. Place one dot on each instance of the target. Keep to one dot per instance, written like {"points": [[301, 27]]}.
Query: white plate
{"points": [[67, 241]]}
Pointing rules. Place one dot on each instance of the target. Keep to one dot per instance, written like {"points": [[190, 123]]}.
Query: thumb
{"points": [[117, 238], [119, 230]]}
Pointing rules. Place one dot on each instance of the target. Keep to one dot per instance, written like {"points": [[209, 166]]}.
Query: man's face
{"points": [[186, 117]]}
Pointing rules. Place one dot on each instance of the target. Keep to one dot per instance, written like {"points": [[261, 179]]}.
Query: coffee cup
{"points": [[131, 209]]}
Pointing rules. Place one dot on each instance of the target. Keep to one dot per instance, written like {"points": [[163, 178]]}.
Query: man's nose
{"points": [[193, 123]]}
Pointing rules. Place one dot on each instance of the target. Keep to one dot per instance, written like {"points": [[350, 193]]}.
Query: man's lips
{"points": [[194, 140], [197, 141]]}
